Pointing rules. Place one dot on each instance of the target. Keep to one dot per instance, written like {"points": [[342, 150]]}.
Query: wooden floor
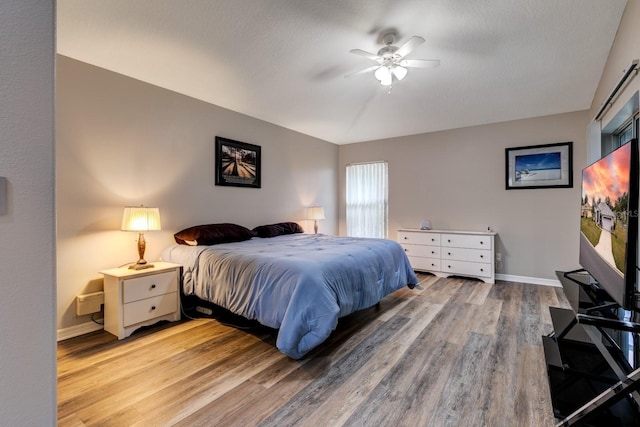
{"points": [[457, 353]]}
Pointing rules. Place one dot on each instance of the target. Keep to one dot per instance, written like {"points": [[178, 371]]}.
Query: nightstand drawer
{"points": [[139, 311], [149, 286]]}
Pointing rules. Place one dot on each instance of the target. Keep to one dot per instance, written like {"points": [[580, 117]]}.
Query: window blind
{"points": [[367, 199]]}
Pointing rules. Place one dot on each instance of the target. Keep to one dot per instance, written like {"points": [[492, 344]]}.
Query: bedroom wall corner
{"points": [[123, 142], [456, 179]]}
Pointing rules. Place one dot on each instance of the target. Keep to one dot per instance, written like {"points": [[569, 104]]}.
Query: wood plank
{"points": [[532, 412], [479, 293], [499, 380], [511, 296], [485, 318], [460, 399]]}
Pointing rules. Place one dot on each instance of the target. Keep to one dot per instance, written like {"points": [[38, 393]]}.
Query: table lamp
{"points": [[140, 219], [315, 213]]}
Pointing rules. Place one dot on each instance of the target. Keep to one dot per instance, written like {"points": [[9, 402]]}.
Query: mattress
{"points": [[300, 284]]}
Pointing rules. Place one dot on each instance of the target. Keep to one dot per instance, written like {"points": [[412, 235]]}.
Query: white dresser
{"points": [[136, 298], [450, 252]]}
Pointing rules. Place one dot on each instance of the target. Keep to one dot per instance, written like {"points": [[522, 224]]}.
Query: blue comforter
{"points": [[300, 283]]}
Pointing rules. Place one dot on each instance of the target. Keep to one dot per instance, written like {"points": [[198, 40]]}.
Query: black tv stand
{"points": [[592, 378]]}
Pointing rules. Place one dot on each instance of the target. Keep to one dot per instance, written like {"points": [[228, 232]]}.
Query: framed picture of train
{"points": [[237, 163]]}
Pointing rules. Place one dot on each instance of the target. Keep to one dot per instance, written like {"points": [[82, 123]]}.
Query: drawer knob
{"points": [[153, 286], [448, 266], [406, 238], [153, 307], [481, 256], [481, 242], [433, 252], [448, 241], [433, 240], [448, 253], [482, 269], [406, 250]]}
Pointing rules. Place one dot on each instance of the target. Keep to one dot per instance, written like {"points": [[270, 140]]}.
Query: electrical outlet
{"points": [[204, 310], [89, 303], [3, 195]]}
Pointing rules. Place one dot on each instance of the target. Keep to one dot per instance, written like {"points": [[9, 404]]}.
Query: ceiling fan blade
{"points": [[365, 54], [420, 63], [411, 44], [366, 70]]}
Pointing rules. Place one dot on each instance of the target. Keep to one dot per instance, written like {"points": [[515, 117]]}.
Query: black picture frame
{"points": [[238, 164], [539, 166]]}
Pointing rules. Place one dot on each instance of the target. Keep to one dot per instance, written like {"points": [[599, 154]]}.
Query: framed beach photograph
{"points": [[539, 166], [237, 163]]}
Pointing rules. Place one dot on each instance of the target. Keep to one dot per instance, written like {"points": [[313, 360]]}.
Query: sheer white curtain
{"points": [[367, 190]]}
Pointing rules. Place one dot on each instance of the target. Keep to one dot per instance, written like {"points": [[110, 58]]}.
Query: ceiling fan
{"points": [[390, 63]]}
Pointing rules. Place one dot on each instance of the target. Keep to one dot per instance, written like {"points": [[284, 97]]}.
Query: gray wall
{"points": [[27, 251], [456, 179], [123, 142]]}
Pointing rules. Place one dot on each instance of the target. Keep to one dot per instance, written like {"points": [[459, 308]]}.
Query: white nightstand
{"points": [[136, 298]]}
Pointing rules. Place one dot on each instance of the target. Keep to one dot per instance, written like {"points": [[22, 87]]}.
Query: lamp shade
{"points": [[399, 72], [140, 218], [383, 74], [315, 212]]}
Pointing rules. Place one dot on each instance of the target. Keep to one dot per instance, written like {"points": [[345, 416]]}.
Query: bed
{"points": [[300, 284]]}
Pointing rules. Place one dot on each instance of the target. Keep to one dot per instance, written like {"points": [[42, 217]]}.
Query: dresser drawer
{"points": [[465, 254], [148, 286], [139, 311], [466, 241], [467, 268], [426, 264], [419, 238], [421, 251]]}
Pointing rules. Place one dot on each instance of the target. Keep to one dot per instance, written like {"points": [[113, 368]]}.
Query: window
{"points": [[626, 132], [367, 189]]}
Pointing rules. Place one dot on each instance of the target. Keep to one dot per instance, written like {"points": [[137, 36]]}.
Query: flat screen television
{"points": [[609, 223]]}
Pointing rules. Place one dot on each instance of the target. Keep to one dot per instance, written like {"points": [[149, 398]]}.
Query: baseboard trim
{"points": [[529, 280], [77, 330]]}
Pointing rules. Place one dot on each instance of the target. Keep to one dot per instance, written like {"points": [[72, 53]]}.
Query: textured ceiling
{"points": [[283, 61]]}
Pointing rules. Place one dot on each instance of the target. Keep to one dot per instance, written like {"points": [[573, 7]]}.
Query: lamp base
{"points": [[140, 266]]}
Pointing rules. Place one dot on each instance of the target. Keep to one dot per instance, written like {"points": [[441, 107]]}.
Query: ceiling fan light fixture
{"points": [[399, 72], [391, 63], [383, 74]]}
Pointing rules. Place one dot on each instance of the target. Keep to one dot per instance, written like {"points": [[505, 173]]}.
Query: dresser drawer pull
{"points": [[481, 242], [153, 307], [448, 240], [406, 238], [482, 269], [481, 256], [448, 253], [406, 250], [153, 286]]}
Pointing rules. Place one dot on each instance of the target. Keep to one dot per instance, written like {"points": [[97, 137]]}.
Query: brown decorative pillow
{"points": [[273, 230], [212, 234]]}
